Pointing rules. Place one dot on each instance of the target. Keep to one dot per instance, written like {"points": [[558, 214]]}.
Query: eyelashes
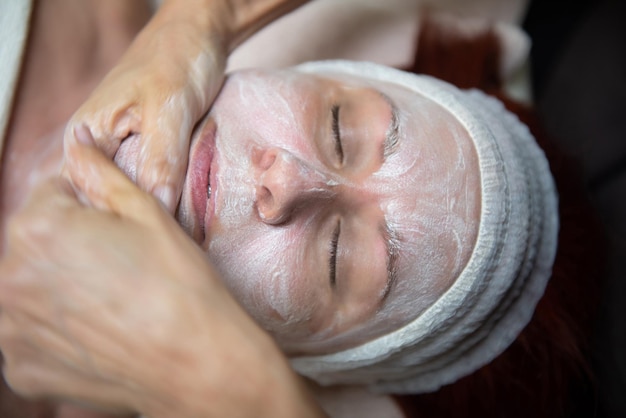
{"points": [[335, 237], [333, 254], [336, 132]]}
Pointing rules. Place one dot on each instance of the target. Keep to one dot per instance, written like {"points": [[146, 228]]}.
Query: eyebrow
{"points": [[392, 136], [392, 242]]}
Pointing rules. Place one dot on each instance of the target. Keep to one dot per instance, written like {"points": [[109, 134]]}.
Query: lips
{"points": [[201, 172]]}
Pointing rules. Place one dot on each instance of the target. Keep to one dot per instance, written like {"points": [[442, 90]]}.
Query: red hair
{"points": [[548, 364]]}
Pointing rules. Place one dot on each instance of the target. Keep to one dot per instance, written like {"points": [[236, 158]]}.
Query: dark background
{"points": [[578, 62]]}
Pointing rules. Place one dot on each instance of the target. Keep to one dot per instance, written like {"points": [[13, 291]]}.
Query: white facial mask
{"points": [[266, 264], [236, 189]]}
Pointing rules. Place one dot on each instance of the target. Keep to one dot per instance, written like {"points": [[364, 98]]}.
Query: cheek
{"points": [[265, 271], [268, 113]]}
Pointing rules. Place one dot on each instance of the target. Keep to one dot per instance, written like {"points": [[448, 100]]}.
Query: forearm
{"points": [[295, 402], [232, 21], [252, 380]]}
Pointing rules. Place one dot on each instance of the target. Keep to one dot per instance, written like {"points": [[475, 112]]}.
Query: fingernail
{"points": [[83, 135], [166, 195]]}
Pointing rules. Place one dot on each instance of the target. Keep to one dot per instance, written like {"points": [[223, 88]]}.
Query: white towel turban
{"points": [[494, 297]]}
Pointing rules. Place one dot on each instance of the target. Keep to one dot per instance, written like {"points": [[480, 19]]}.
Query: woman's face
{"points": [[328, 203]]}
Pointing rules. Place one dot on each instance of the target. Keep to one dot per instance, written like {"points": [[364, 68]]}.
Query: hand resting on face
{"points": [[166, 81]]}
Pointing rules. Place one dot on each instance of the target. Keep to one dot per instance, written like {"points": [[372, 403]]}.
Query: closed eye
{"points": [[332, 261], [337, 133]]}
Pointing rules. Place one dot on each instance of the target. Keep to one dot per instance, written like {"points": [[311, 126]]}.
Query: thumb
{"points": [[162, 164], [101, 183]]}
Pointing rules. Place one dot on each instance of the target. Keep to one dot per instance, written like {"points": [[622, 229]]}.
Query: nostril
{"points": [[265, 195], [264, 202], [270, 209]]}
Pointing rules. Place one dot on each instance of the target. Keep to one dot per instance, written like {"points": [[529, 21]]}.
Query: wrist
{"points": [[254, 381], [210, 19], [230, 21], [248, 17], [284, 394]]}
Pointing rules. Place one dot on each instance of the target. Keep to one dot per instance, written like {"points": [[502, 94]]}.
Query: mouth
{"points": [[202, 181]]}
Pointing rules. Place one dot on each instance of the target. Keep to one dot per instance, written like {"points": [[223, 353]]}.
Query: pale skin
{"points": [[359, 162], [177, 62], [333, 173], [163, 105], [28, 129], [164, 79], [32, 368], [133, 119], [357, 189], [28, 142], [354, 188], [311, 167]]}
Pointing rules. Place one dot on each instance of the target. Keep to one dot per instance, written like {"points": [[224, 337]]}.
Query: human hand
{"points": [[163, 84], [112, 305]]}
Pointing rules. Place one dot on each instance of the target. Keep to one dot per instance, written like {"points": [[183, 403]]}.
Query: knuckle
{"points": [[108, 124]]}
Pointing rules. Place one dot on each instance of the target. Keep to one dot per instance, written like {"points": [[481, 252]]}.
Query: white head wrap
{"points": [[494, 297]]}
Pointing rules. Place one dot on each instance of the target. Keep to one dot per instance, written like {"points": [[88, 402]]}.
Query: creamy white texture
{"points": [[281, 194]]}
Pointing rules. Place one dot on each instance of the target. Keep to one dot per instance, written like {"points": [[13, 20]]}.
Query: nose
{"points": [[286, 184]]}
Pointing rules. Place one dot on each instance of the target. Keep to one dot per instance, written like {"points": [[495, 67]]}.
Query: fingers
{"points": [[108, 125], [155, 155], [164, 151], [101, 182]]}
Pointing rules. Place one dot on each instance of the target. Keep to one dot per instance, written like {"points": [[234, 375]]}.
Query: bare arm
{"points": [[233, 21]]}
